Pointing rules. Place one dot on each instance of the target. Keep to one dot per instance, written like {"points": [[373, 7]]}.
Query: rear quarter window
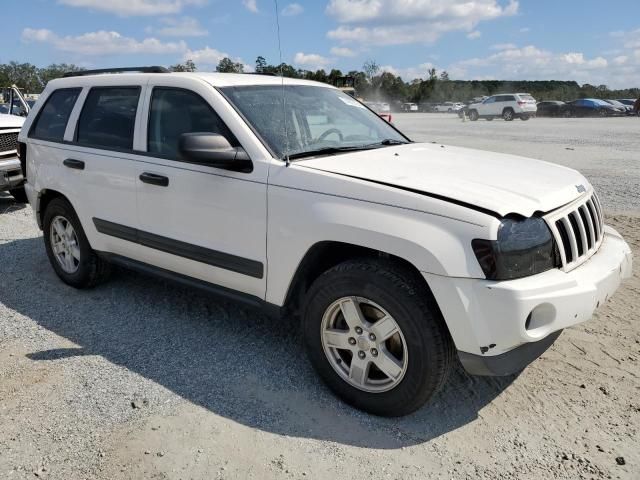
{"points": [[52, 120], [108, 118]]}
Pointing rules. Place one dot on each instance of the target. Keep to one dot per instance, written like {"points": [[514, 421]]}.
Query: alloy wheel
{"points": [[64, 244], [364, 344]]}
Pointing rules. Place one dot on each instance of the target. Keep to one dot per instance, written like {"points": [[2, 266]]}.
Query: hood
{"points": [[10, 121], [499, 183]]}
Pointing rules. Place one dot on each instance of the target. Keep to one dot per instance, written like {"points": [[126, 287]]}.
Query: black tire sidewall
{"points": [[421, 379], [82, 277]]}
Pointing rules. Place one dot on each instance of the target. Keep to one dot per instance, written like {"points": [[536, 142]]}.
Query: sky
{"points": [[588, 41]]}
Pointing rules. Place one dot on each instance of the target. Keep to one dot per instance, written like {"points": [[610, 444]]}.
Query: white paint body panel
{"points": [[421, 202]]}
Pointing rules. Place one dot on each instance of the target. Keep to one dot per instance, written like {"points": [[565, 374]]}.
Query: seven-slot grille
{"points": [[578, 230], [8, 142]]}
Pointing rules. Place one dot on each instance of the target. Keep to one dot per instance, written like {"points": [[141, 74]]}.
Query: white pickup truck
{"points": [[398, 257]]}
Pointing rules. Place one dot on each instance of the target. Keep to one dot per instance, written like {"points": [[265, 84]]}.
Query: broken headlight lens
{"points": [[523, 248]]}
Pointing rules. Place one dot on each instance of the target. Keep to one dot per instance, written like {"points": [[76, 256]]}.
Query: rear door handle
{"points": [[76, 164], [154, 179]]}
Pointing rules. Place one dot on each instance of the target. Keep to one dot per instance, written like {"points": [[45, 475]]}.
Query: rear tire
{"points": [[421, 350], [473, 115], [508, 114], [19, 195], [68, 249]]}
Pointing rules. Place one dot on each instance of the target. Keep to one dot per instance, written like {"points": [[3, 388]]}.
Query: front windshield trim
{"points": [[283, 158]]}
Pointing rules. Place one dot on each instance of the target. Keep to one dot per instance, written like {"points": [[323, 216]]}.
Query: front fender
{"points": [[299, 219]]}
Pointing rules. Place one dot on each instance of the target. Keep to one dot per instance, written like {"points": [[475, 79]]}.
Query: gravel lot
{"points": [[139, 378], [606, 151]]}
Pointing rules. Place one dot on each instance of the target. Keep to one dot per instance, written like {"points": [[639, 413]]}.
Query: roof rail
{"points": [[266, 74], [82, 73]]}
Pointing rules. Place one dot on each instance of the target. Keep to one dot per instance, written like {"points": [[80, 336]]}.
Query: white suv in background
{"points": [[398, 257], [506, 106]]}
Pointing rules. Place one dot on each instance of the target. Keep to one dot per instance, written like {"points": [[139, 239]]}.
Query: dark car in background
{"points": [[591, 107], [550, 108]]}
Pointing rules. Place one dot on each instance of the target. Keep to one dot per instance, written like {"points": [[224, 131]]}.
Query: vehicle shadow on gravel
{"points": [[232, 361], [8, 204]]}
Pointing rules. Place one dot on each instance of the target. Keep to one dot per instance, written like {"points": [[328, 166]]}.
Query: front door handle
{"points": [[76, 164], [154, 179]]}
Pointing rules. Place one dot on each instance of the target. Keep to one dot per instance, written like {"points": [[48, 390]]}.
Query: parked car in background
{"points": [[449, 107], [627, 101], [427, 107], [409, 107], [11, 178], [506, 106], [383, 109], [550, 108], [616, 103], [591, 107]]}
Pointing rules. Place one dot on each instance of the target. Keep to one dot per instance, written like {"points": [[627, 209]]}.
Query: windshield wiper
{"points": [[353, 148]]}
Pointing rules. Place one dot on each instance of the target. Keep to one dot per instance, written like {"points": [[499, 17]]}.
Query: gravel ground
{"points": [[139, 378], [605, 150]]}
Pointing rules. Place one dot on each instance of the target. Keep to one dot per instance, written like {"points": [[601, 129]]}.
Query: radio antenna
{"points": [[284, 93]]}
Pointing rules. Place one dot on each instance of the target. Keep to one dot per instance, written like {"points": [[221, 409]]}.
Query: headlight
{"points": [[524, 248]]}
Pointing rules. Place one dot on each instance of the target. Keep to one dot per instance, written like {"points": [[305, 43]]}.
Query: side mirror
{"points": [[215, 150]]}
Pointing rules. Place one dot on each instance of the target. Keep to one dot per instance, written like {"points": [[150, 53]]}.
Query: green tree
{"points": [[187, 66], [227, 65], [261, 64]]}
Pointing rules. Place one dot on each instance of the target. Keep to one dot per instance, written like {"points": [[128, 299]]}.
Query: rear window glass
{"points": [[52, 120], [108, 118]]}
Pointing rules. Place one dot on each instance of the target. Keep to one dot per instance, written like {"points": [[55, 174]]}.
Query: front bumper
{"points": [[10, 173], [491, 319]]}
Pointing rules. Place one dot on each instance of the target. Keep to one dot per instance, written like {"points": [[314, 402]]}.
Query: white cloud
{"points": [[311, 60], [410, 73], [127, 8], [343, 52], [533, 63], [292, 10], [392, 22], [503, 46], [474, 35], [251, 5], [101, 43], [524, 30], [208, 58], [180, 27]]}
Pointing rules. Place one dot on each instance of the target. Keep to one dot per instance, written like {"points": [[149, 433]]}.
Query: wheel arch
{"points": [[324, 255], [44, 198]]}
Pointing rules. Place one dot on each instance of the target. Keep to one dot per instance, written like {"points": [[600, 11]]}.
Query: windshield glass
{"points": [[317, 118]]}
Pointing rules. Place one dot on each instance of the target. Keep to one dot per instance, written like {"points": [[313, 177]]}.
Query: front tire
{"points": [[19, 195], [376, 336], [68, 249], [473, 115]]}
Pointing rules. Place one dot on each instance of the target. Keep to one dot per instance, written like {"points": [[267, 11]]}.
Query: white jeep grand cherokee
{"points": [[290, 195]]}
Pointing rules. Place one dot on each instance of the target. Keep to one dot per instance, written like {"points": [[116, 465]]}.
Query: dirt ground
{"points": [[140, 379]]}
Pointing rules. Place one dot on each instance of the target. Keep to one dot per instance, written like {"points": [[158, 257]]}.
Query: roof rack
{"points": [[82, 73]]}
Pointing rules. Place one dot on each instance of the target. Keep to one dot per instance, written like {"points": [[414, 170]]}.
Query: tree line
{"points": [[370, 82]]}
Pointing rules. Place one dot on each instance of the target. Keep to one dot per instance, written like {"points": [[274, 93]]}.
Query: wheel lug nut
{"points": [[372, 337], [359, 330], [361, 354], [352, 341], [374, 352]]}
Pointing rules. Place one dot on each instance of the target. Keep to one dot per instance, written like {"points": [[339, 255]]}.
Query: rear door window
{"points": [[52, 119], [108, 118]]}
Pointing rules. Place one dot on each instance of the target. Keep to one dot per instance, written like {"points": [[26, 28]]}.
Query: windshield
{"points": [[317, 119]]}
